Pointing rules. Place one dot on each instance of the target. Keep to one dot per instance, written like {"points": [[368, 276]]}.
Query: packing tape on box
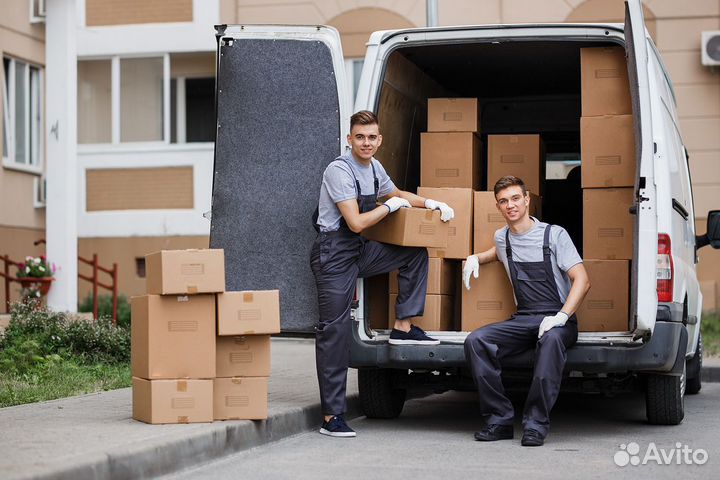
{"points": [[248, 297], [183, 419], [236, 380], [181, 386], [191, 289]]}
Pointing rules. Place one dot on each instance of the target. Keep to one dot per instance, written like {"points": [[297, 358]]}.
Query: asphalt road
{"points": [[433, 439]]}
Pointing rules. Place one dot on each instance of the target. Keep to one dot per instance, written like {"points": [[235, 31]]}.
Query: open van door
{"points": [[644, 283], [281, 119]]}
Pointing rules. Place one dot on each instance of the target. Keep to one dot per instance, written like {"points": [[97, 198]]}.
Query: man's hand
{"points": [[472, 266], [557, 320], [446, 212], [393, 203]]}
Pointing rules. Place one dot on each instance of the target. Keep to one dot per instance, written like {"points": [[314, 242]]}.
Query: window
{"points": [[22, 114], [94, 101], [353, 69], [192, 103], [141, 99]]}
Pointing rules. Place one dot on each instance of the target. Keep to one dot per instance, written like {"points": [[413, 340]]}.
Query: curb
{"points": [[167, 455], [711, 374]]}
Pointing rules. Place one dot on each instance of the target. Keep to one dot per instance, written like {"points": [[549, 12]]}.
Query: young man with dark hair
{"points": [[549, 282], [351, 187]]}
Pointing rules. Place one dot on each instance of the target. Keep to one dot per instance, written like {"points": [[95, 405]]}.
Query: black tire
{"points": [[694, 370], [379, 398], [665, 399]]}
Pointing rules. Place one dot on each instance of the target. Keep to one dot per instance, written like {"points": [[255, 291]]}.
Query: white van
{"points": [[282, 117]]}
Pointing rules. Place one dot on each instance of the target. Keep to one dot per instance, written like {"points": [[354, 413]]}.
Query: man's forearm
{"points": [[487, 256], [577, 294], [415, 200]]}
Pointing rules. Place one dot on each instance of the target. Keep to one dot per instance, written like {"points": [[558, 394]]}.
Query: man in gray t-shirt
{"points": [[549, 282]]}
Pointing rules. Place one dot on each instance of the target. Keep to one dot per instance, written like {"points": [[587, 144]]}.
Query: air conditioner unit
{"points": [[40, 192], [710, 48], [37, 11]]}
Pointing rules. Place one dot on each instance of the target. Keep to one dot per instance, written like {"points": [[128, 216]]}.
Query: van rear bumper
{"points": [[657, 354]]}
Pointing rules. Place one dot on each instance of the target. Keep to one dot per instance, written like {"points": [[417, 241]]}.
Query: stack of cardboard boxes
{"points": [[608, 176], [182, 371]]}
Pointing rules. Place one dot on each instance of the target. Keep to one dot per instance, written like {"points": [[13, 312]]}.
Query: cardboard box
{"points": [[489, 300], [438, 315], [708, 288], [410, 227], [519, 155], [173, 336], [248, 313], [172, 401], [460, 227], [607, 223], [607, 146], [605, 88], [453, 115], [606, 306], [487, 219], [242, 356], [171, 272], [442, 276], [450, 160], [240, 398]]}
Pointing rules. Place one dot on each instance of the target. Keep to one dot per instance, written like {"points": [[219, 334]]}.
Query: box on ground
{"points": [[240, 398], [605, 88], [607, 223], [173, 336], [487, 219], [242, 356], [171, 272], [519, 155], [172, 401], [410, 227], [460, 227], [442, 276], [438, 315], [249, 312], [606, 305], [450, 159], [453, 115], [607, 147], [489, 300], [708, 288]]}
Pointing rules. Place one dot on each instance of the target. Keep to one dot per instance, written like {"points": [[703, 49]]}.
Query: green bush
{"points": [[105, 308], [710, 328]]}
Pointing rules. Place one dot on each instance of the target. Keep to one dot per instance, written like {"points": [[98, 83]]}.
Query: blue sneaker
{"points": [[336, 427], [416, 336]]}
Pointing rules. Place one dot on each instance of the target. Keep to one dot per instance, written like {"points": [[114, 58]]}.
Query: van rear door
{"points": [[281, 119], [644, 283]]}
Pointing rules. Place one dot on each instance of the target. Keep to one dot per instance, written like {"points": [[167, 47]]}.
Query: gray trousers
{"points": [[337, 260]]}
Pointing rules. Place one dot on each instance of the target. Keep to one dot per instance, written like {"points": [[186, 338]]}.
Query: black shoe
{"points": [[495, 432], [532, 438], [416, 336], [336, 427]]}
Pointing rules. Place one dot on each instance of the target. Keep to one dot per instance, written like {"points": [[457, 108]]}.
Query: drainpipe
{"points": [[432, 13]]}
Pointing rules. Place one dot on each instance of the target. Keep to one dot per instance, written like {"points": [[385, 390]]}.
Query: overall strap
{"points": [[508, 250], [375, 179], [546, 242]]}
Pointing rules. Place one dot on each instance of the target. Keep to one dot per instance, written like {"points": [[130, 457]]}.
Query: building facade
{"points": [[141, 157]]}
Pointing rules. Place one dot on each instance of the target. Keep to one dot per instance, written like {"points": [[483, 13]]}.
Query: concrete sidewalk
{"points": [[94, 436]]}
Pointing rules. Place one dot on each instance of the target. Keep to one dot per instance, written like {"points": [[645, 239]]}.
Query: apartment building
{"points": [[141, 156]]}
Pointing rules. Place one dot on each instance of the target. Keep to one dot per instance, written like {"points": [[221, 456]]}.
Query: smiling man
{"points": [[351, 187], [549, 282]]}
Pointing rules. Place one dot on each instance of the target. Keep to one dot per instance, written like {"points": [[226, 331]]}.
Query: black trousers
{"points": [[487, 346], [337, 260]]}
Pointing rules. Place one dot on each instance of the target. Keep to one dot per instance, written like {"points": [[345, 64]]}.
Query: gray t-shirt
{"points": [[527, 247], [338, 184]]}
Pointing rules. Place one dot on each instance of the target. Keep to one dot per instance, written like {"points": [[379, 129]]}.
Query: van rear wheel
{"points": [[665, 398], [379, 397]]}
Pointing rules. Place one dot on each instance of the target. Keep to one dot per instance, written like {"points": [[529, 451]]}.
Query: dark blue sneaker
{"points": [[416, 336], [336, 427]]}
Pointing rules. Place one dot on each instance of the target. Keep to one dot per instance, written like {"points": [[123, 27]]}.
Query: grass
{"points": [[63, 378], [710, 328]]}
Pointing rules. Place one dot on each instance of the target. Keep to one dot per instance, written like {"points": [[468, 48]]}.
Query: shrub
{"points": [[105, 308]]}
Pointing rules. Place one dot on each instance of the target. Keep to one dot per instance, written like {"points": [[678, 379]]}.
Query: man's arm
{"points": [[580, 286], [357, 222], [487, 256], [415, 200]]}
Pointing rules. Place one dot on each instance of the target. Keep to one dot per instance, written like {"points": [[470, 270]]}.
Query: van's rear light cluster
{"points": [[664, 269]]}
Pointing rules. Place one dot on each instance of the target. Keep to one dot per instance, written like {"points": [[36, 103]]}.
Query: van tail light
{"points": [[664, 269]]}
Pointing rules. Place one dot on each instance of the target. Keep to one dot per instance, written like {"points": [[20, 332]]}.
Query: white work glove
{"points": [[393, 203], [472, 266], [446, 212], [557, 320]]}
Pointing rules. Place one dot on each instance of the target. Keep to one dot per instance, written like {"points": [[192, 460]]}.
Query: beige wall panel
{"points": [[701, 100], [289, 14], [520, 11], [124, 251], [685, 67], [468, 12], [228, 11], [706, 197], [683, 34], [705, 167], [676, 8], [16, 189], [607, 11], [17, 243], [16, 16], [128, 12], [192, 65], [700, 133], [355, 27], [22, 47], [709, 266], [139, 188]]}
